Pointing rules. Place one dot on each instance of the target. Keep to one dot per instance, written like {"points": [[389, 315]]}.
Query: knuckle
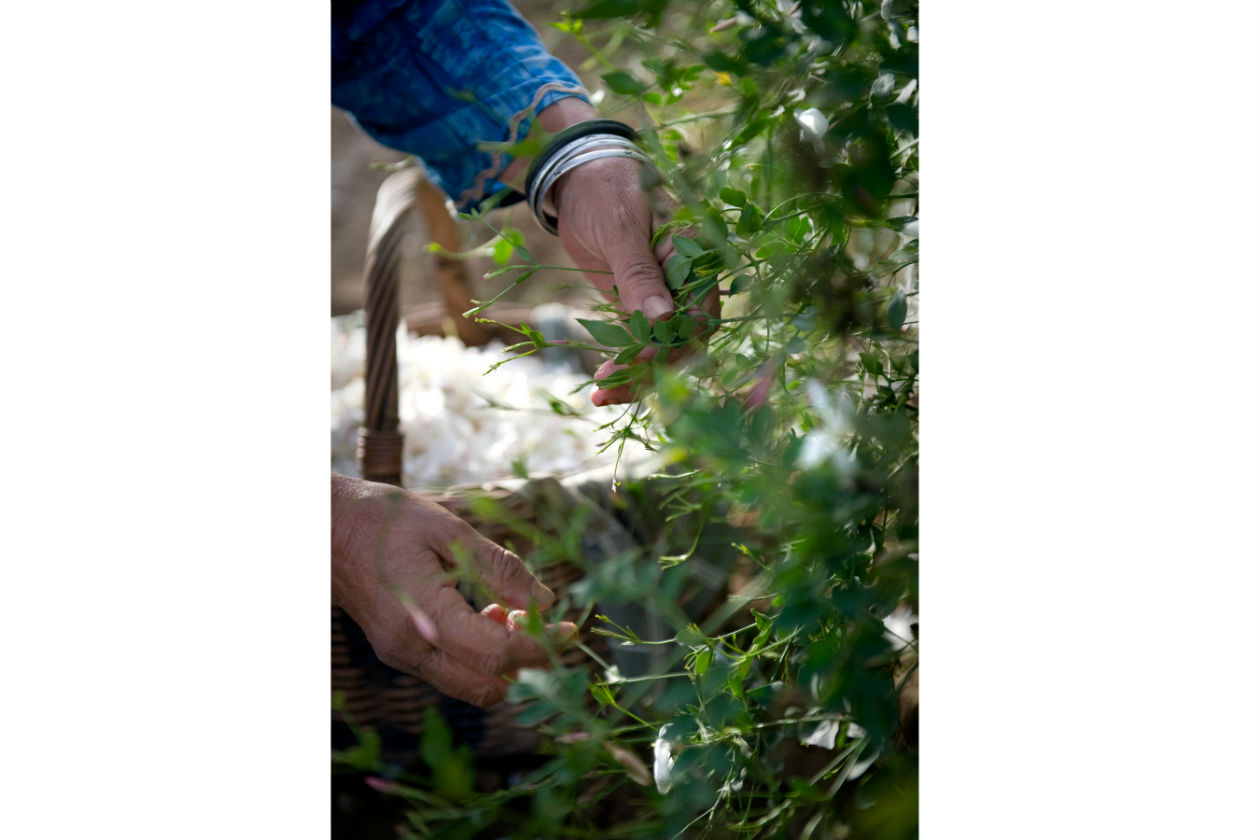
{"points": [[494, 661], [638, 275], [504, 565], [486, 695]]}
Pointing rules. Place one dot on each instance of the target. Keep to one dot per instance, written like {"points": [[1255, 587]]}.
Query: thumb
{"points": [[506, 576], [638, 277]]}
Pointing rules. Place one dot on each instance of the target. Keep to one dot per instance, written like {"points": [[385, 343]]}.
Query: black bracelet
{"points": [[575, 132]]}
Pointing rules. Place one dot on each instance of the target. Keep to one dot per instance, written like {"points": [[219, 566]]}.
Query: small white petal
{"points": [[898, 624], [816, 449], [824, 735], [813, 123], [663, 761]]}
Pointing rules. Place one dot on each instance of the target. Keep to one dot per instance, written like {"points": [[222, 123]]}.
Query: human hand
{"points": [[606, 224], [393, 555]]}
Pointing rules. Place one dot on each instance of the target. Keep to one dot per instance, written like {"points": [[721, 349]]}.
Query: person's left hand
{"points": [[396, 558], [606, 225]]}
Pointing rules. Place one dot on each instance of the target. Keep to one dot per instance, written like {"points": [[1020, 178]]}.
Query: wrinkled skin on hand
{"points": [[394, 556], [606, 225]]}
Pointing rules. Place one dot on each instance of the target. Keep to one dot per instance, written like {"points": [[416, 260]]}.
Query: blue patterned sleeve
{"points": [[438, 78]]}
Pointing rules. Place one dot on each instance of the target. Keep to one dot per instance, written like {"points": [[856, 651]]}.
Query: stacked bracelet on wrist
{"points": [[576, 145]]}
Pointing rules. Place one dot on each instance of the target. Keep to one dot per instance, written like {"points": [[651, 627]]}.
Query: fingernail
{"points": [[599, 398], [656, 307], [563, 632], [542, 594]]}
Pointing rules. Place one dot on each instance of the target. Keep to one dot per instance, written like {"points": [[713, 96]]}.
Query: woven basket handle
{"points": [[380, 444]]}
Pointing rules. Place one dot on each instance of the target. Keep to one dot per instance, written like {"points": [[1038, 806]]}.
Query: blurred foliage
{"points": [[789, 134]]}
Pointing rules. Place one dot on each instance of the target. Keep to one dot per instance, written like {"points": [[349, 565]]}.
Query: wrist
{"points": [[356, 523], [556, 117]]}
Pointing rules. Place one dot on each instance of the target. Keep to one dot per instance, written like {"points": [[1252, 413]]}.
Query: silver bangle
{"points": [[571, 157], [536, 194], [574, 162]]}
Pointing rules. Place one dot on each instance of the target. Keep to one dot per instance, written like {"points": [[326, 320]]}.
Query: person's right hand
{"points": [[393, 554], [606, 224]]}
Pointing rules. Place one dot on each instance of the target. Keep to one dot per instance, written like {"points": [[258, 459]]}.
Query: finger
{"points": [[453, 678], [497, 613], [616, 394], [620, 395], [705, 315], [559, 633], [638, 276], [502, 571], [479, 641]]}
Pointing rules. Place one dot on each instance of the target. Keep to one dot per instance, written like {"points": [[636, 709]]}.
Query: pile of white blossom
{"points": [[454, 431]]}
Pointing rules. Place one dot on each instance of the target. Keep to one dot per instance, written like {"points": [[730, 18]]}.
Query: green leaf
{"points": [[450, 767], [733, 196], [539, 340], [608, 9], [741, 282], [573, 26], [829, 20], [903, 117], [560, 407], [897, 310], [754, 127], [663, 331], [365, 755], [639, 327], [677, 270], [723, 63], [795, 230], [619, 81], [602, 694], [750, 220], [685, 326], [509, 239], [617, 377], [773, 248], [607, 333], [628, 355], [687, 246]]}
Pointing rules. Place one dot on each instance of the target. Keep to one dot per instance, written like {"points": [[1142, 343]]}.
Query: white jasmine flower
{"points": [[813, 123], [663, 763], [824, 735], [898, 624], [829, 440], [907, 92]]}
